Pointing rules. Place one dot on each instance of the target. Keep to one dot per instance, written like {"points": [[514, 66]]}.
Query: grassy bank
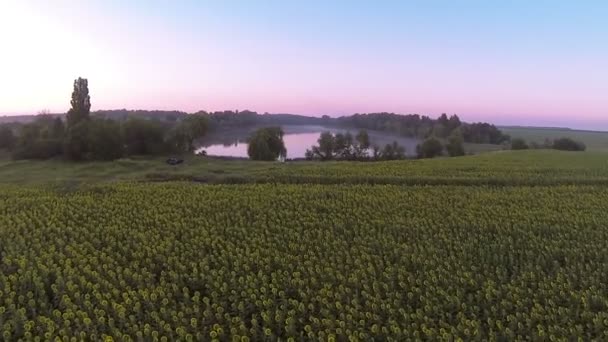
{"points": [[594, 140], [538, 167]]}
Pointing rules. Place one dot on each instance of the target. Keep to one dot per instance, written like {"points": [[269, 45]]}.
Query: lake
{"points": [[297, 138]]}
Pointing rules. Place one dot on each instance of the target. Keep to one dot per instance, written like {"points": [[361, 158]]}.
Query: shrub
{"points": [[519, 144], [105, 140], [430, 148], [455, 145], [7, 137], [568, 144]]}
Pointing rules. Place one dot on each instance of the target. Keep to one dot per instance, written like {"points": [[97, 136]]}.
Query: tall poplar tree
{"points": [[81, 103], [76, 144]]}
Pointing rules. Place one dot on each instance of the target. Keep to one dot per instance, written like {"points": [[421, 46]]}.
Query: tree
{"points": [[326, 146], [483, 133], [376, 152], [81, 103], [568, 144], [455, 144], [76, 140], [430, 148], [454, 123], [362, 144], [343, 146], [7, 137], [392, 151], [36, 140], [443, 119], [143, 136], [441, 127], [519, 144], [105, 140], [76, 144], [267, 144], [182, 136], [57, 129]]}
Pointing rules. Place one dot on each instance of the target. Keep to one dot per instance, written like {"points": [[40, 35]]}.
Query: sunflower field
{"points": [[294, 262]]}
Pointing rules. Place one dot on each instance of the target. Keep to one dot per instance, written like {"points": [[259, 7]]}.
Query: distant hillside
{"points": [[535, 127], [19, 118], [594, 140], [515, 127]]}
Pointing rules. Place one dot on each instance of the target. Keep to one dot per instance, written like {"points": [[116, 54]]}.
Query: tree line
{"points": [[422, 127], [563, 144], [345, 146], [154, 132], [82, 136], [267, 144], [410, 125]]}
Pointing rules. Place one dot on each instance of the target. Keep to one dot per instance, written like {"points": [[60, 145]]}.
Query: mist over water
{"points": [[233, 143]]}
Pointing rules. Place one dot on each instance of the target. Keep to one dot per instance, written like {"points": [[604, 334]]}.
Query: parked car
{"points": [[174, 161]]}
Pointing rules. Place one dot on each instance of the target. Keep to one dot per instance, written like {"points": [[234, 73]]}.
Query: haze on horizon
{"points": [[519, 62]]}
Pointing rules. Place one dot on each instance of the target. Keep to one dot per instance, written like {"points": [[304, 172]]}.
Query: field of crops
{"points": [[181, 261], [499, 168]]}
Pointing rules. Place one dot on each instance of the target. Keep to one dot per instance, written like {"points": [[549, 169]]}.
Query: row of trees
{"points": [[345, 146], [411, 125], [433, 147], [422, 127], [563, 144], [267, 144], [82, 136]]}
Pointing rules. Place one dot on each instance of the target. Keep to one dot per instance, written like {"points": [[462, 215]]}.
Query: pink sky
{"points": [[315, 59]]}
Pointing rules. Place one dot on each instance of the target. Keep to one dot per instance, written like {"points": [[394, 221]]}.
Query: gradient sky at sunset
{"points": [[508, 62]]}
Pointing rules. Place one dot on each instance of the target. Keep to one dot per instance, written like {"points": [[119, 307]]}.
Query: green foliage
{"points": [[40, 139], [38, 149], [143, 136], [57, 129], [363, 144], [81, 103], [430, 148], [483, 133], [306, 262], [105, 140], [414, 125], [455, 144], [325, 149], [7, 137], [76, 144], [392, 152], [267, 144], [543, 137], [519, 144], [568, 144], [506, 168], [182, 135], [342, 146]]}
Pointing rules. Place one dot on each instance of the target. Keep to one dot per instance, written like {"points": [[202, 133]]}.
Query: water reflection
{"points": [[233, 142]]}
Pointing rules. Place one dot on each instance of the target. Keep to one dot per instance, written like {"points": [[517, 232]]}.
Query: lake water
{"points": [[297, 138]]}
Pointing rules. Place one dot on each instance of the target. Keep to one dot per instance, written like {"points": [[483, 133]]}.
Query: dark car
{"points": [[174, 161]]}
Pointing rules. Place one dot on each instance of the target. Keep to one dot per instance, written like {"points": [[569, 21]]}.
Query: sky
{"points": [[508, 62]]}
